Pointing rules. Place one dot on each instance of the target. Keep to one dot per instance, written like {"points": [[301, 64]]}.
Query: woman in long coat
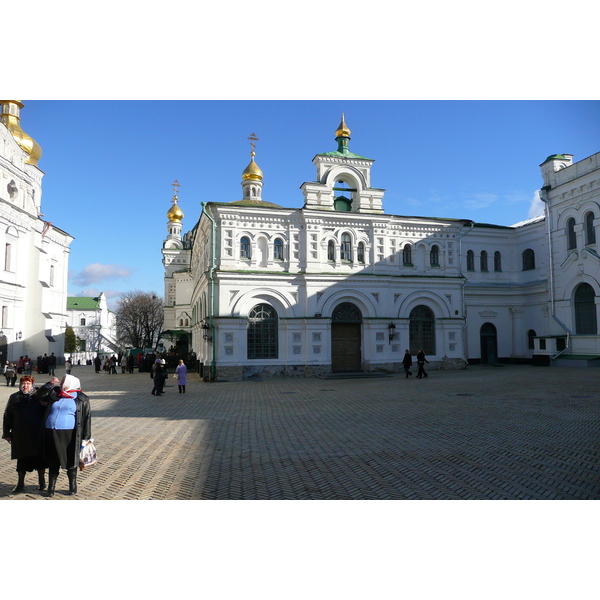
{"points": [[23, 428], [68, 421], [181, 372]]}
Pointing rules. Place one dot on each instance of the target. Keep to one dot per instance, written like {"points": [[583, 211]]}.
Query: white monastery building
{"points": [[340, 286], [33, 280]]}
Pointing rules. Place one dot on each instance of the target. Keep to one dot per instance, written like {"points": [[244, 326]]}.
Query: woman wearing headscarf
{"points": [[181, 372], [68, 421], [159, 375], [23, 429]]}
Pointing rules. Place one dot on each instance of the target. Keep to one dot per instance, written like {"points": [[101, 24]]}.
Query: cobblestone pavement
{"points": [[511, 432]]}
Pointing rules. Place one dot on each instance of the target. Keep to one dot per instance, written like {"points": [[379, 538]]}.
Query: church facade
{"points": [[256, 289], [33, 280]]}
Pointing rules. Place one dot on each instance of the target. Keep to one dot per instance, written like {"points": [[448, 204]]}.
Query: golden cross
{"points": [[176, 190], [253, 139]]}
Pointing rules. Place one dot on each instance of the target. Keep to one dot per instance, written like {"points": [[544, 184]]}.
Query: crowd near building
{"points": [[339, 285]]}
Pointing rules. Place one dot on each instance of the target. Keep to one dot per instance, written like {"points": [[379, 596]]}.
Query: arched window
{"points": [[530, 335], [483, 263], [497, 261], [82, 321], [330, 251], [571, 236], [470, 260], [262, 332], [245, 248], [360, 253], [528, 260], [180, 322], [51, 275], [590, 232], [346, 248], [278, 249], [585, 310], [434, 256], [422, 330], [407, 255]]}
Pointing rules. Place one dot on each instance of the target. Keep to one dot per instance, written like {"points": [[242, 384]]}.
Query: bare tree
{"points": [[140, 319]]}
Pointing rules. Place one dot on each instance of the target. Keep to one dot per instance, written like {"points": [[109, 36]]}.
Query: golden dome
{"points": [[252, 172], [342, 130], [10, 117], [175, 213]]}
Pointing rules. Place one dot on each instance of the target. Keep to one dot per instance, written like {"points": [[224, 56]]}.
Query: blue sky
{"points": [[109, 165]]}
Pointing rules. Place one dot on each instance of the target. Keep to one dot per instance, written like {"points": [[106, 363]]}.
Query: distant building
{"points": [[255, 289], [35, 253], [94, 326]]}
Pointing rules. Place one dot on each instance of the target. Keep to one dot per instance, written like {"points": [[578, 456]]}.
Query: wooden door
{"points": [[345, 347]]}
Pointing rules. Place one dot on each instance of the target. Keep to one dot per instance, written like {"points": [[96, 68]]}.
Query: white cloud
{"points": [[536, 208], [97, 272], [479, 201]]}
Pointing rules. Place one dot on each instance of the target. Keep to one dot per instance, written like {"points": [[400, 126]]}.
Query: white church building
{"points": [[340, 286], [34, 267]]}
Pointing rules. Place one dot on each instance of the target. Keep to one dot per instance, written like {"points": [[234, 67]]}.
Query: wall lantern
{"points": [[205, 335], [392, 327], [19, 335]]}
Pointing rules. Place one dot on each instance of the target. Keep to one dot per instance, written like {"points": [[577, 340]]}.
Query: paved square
{"points": [[511, 432]]}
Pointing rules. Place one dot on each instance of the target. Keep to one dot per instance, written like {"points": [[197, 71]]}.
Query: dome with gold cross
{"points": [[252, 172], [11, 118], [175, 214]]}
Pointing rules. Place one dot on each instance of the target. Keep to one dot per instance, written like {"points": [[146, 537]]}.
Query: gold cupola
{"points": [[175, 214], [342, 131], [252, 172], [11, 118]]}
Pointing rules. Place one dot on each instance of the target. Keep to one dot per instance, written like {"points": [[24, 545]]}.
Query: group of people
{"points": [[159, 375], [421, 360], [126, 362], [45, 427]]}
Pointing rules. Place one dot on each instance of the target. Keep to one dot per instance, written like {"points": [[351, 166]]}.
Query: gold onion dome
{"points": [[342, 130], [252, 172], [175, 213], [10, 117]]}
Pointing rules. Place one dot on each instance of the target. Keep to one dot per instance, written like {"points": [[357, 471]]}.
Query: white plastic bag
{"points": [[88, 455]]}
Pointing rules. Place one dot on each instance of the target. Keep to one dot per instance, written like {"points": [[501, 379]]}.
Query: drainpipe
{"points": [[462, 289], [544, 198], [213, 365]]}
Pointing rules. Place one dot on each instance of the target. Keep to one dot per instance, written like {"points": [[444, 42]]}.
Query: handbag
{"points": [[88, 455], [174, 375]]}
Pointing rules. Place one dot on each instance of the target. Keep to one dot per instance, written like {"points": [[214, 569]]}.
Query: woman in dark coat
{"points": [[407, 364], [160, 376], [68, 421], [23, 428]]}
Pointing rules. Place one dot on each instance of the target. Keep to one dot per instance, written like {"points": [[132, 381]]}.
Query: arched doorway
{"points": [[422, 330], [346, 338], [489, 343], [586, 322]]}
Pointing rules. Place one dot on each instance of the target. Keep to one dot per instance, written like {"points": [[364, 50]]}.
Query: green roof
{"points": [[78, 303], [346, 154]]}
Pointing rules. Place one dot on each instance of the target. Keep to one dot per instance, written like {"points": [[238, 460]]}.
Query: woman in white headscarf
{"points": [[68, 421]]}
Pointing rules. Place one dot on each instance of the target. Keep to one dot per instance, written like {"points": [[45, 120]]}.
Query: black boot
{"points": [[20, 484], [52, 477], [41, 479], [72, 475], [180, 389], [183, 386]]}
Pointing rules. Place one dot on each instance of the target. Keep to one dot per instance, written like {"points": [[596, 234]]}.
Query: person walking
{"points": [[68, 421], [123, 363], [421, 360], [23, 429], [51, 364], [159, 374], [407, 364], [97, 363], [68, 365], [10, 372], [181, 372]]}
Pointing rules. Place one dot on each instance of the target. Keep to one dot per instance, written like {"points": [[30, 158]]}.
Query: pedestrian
{"points": [[421, 360], [159, 374], [68, 365], [181, 373], [10, 372], [130, 363], [113, 365], [68, 421], [97, 363], [27, 365], [23, 429], [123, 363], [51, 364], [407, 364]]}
